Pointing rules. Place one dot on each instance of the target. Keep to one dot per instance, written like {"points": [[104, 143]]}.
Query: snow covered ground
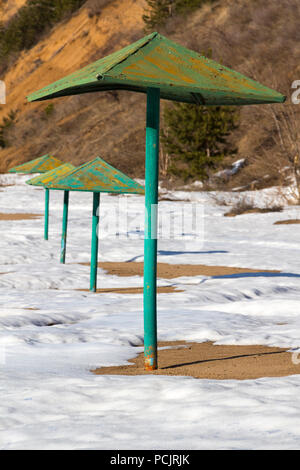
{"points": [[52, 334]]}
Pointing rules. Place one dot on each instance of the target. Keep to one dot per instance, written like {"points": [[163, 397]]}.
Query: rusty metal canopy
{"points": [[49, 176], [157, 62], [96, 176], [38, 165]]}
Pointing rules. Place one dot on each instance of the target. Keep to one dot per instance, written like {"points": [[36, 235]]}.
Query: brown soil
{"points": [[209, 361], [18, 216], [133, 290], [170, 199], [8, 9], [171, 271], [287, 222], [250, 211]]}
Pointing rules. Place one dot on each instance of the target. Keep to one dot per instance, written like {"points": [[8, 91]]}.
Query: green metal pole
{"points": [[46, 225], [150, 242], [94, 254], [64, 228]]}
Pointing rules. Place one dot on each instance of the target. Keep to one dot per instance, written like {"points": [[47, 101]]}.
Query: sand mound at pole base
{"points": [[210, 361]]}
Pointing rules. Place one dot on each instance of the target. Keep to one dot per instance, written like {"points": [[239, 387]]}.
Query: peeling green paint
{"points": [[157, 62], [38, 165], [45, 178], [97, 176]]}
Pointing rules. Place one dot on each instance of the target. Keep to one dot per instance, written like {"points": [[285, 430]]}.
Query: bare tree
{"points": [[287, 138], [164, 161]]}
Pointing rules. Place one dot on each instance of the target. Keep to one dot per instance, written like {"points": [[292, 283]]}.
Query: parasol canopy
{"points": [[157, 62], [38, 165], [97, 176], [49, 176], [42, 180]]}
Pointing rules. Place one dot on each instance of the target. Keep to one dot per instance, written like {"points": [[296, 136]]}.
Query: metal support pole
{"points": [[94, 253], [64, 228], [150, 242], [46, 224]]}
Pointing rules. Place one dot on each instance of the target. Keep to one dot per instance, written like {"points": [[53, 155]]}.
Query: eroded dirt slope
{"points": [[9, 7], [259, 39], [79, 128]]}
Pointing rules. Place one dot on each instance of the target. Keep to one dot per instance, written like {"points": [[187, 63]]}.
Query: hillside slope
{"points": [[112, 124], [8, 8], [72, 130]]}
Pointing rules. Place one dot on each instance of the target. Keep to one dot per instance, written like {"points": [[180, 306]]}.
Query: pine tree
{"points": [[157, 13], [183, 6], [6, 124], [196, 137]]}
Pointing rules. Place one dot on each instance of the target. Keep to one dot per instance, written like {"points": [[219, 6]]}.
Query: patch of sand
{"points": [[18, 216], [172, 271], [287, 222], [210, 361], [255, 210], [133, 290]]}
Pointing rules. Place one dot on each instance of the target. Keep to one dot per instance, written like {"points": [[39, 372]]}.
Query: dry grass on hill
{"points": [[258, 38]]}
